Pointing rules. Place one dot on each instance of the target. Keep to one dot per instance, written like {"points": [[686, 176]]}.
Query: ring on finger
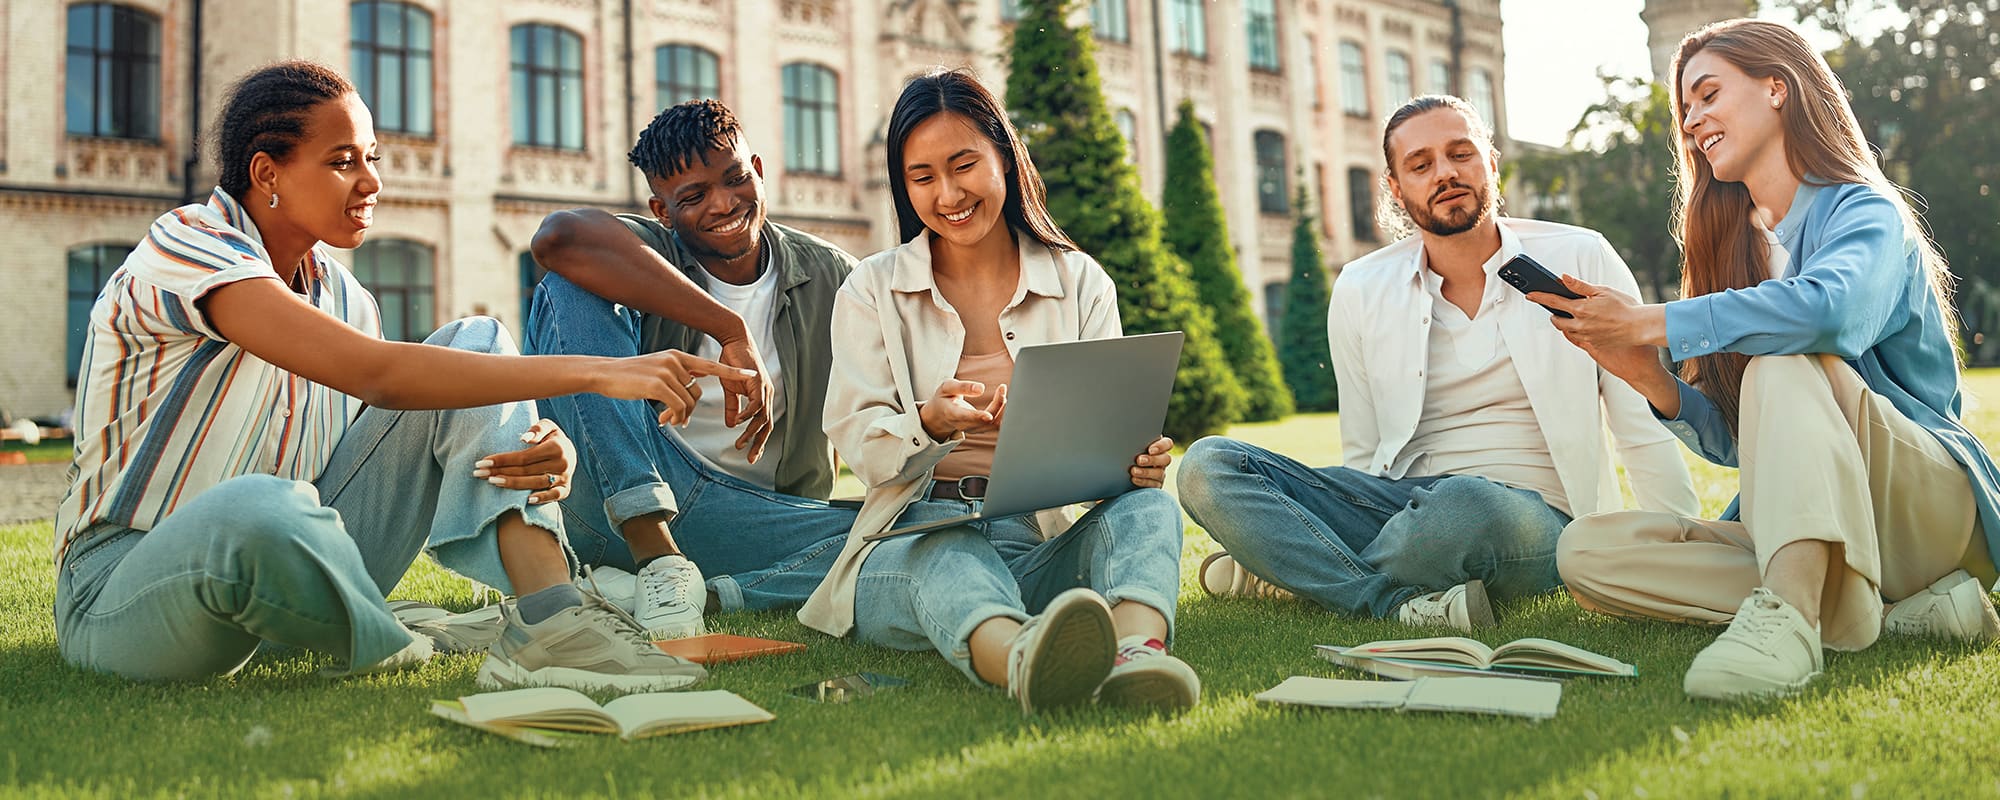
{"points": [[552, 480]]}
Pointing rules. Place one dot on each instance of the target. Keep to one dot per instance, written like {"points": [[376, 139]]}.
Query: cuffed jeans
{"points": [[931, 590], [1364, 544], [257, 557], [759, 548]]}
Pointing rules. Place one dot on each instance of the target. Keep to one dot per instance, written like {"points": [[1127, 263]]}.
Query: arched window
{"points": [[812, 119], [685, 72], [1353, 79], [1440, 76], [1401, 85], [547, 93], [389, 51], [399, 273], [90, 267], [1111, 20], [1261, 20], [1128, 127], [1271, 197], [531, 276], [1479, 92], [111, 73]]}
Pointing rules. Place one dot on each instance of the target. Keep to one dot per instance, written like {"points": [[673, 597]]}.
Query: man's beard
{"points": [[1454, 221]]}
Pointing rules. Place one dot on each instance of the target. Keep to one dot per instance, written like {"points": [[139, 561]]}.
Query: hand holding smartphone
{"points": [[1529, 276]]}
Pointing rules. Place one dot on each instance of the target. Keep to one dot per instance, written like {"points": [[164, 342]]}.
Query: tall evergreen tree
{"points": [[1302, 346], [1197, 231], [1057, 101]]}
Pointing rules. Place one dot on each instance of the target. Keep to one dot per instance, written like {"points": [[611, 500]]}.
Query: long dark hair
{"points": [[956, 91], [1719, 248]]}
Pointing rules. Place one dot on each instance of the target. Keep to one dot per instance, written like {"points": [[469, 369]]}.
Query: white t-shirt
{"points": [[705, 434], [1476, 418]]}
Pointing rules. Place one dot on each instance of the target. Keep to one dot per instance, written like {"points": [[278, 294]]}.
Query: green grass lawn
{"points": [[1903, 719], [48, 450]]}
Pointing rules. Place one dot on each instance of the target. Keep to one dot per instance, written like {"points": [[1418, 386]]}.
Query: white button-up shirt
{"points": [[1378, 332]]}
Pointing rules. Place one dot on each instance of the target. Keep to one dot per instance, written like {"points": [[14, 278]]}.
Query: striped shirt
{"points": [[165, 406]]}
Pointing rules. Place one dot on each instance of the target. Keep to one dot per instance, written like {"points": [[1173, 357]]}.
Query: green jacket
{"points": [[810, 272]]}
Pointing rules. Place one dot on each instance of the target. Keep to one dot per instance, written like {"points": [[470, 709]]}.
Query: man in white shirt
{"points": [[1471, 430], [739, 490]]}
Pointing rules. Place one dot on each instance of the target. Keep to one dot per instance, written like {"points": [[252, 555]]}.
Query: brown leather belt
{"points": [[970, 487]]}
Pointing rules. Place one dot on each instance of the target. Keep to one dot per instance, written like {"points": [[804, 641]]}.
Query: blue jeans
{"points": [[258, 557], [1361, 543], [931, 590], [759, 548]]}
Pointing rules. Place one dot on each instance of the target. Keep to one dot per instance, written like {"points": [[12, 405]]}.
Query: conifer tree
{"points": [[1057, 101], [1197, 231], [1302, 346]]}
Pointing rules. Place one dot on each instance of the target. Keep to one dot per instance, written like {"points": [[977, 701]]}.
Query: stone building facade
{"points": [[493, 113]]}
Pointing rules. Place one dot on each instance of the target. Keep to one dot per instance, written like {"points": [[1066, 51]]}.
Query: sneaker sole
{"points": [[1168, 687], [496, 674], [677, 631], [1201, 575], [1478, 611], [1731, 687], [1076, 656]]}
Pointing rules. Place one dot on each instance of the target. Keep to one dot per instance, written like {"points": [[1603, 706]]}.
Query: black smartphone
{"points": [[1525, 274]]}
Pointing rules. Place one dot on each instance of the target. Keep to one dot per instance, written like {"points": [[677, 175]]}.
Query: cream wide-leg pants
{"points": [[1823, 458]]}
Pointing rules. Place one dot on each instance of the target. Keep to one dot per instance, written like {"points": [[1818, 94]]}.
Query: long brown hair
{"points": [[1719, 247]]}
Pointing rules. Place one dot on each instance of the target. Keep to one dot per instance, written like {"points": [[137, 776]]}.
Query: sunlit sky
{"points": [[1555, 49]]}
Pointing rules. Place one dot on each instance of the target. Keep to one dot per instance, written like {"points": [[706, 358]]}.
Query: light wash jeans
{"points": [[932, 590], [1361, 543], [759, 548], [259, 557]]}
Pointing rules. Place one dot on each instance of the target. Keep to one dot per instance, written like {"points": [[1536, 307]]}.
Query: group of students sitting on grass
{"points": [[255, 463]]}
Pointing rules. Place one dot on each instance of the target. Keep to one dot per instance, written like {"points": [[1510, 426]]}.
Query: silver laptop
{"points": [[1078, 413]]}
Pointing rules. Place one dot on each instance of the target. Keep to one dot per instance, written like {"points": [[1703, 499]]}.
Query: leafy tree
{"points": [[1057, 101], [1197, 231], [1302, 345]]}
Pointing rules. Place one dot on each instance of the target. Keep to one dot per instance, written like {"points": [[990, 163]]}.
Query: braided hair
{"points": [[265, 112], [683, 134]]}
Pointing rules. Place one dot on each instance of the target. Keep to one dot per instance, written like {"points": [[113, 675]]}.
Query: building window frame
{"points": [[89, 268], [1483, 96], [811, 93], [1353, 78], [402, 276], [672, 85], [545, 73], [1260, 23], [111, 68], [1272, 196], [1402, 82], [1111, 20], [1361, 203], [1187, 28], [394, 77]]}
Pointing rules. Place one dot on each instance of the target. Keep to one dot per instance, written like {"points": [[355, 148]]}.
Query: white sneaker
{"points": [[611, 583], [1062, 654], [1144, 676], [415, 654], [1221, 576], [1462, 607], [1955, 607], [670, 598], [1768, 651]]}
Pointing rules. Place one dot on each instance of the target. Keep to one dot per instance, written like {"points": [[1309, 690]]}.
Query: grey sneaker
{"points": [[1463, 607], [1145, 676], [415, 654], [670, 599], [469, 632], [1062, 654], [1955, 607], [1768, 651], [591, 647], [1221, 576]]}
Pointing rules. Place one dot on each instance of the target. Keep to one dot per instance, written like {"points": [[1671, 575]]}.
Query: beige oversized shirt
{"points": [[895, 339]]}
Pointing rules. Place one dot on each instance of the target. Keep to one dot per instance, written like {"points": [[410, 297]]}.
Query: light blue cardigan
{"points": [[1856, 289]]}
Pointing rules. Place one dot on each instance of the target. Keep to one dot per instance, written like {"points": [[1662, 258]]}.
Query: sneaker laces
{"points": [[1017, 654], [665, 588], [622, 621], [1761, 618]]}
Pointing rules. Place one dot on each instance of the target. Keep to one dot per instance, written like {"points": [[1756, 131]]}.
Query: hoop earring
{"points": [[274, 199]]}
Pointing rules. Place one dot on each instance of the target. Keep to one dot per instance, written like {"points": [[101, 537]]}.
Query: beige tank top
{"points": [[974, 456]]}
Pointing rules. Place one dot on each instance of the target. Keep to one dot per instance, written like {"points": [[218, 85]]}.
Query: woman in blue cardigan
{"points": [[1816, 351]]}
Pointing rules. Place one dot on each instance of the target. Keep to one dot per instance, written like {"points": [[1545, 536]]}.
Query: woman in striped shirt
{"points": [[252, 462]]}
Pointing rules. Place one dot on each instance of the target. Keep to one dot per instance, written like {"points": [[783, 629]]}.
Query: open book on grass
{"points": [[1447, 655], [1514, 697], [551, 717]]}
